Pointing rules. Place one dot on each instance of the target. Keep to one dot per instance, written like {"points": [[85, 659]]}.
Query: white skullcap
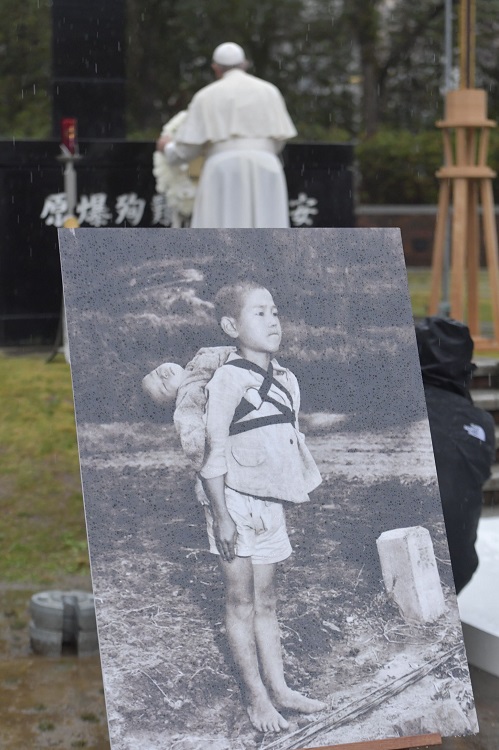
{"points": [[229, 54]]}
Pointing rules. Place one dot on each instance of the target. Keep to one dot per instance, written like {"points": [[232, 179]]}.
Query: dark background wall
{"points": [[88, 66], [117, 173]]}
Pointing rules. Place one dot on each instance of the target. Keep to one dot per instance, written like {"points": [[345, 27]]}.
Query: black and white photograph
{"points": [[268, 551]]}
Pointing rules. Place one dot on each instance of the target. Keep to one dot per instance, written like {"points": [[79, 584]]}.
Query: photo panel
{"points": [[367, 615]]}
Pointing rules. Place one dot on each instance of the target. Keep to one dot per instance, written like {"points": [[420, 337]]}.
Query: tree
{"points": [[25, 69], [171, 42], [317, 53], [399, 48], [345, 67], [487, 52]]}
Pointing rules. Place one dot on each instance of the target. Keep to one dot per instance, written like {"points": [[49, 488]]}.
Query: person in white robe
{"points": [[239, 124]]}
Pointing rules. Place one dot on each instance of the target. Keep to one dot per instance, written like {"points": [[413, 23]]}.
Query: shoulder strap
{"points": [[268, 377], [244, 408]]}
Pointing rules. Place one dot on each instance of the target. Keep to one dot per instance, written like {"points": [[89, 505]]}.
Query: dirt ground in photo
{"points": [[168, 673]]}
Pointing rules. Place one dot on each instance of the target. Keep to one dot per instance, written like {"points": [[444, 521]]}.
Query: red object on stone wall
{"points": [[69, 134]]}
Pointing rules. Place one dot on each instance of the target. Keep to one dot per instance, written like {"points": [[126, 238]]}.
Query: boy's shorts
{"points": [[261, 528]]}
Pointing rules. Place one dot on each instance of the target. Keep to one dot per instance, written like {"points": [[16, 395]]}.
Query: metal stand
{"points": [[58, 347], [467, 180], [61, 344]]}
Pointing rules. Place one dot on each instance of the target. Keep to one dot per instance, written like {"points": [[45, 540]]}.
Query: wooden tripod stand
{"points": [[467, 180]]}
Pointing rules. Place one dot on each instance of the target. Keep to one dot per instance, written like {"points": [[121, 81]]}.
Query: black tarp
{"points": [[462, 434]]}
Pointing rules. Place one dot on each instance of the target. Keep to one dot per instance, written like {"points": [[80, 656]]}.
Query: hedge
{"points": [[398, 167]]}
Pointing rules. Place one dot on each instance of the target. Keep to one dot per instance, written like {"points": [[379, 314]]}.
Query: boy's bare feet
{"points": [[264, 716], [295, 701]]}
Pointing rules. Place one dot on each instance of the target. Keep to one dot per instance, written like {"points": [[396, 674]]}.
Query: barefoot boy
{"points": [[255, 462]]}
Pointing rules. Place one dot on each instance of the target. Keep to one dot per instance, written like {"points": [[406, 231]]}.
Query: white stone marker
{"points": [[410, 573]]}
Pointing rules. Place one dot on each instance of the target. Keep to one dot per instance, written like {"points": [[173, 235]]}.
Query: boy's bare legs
{"points": [[240, 624], [268, 642]]}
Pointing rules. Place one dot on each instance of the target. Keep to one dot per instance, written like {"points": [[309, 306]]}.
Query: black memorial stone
{"points": [[320, 184], [116, 188]]}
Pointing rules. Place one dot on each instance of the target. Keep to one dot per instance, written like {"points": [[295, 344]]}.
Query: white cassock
{"points": [[239, 124]]}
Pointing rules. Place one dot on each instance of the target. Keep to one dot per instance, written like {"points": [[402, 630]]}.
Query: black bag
{"points": [[462, 434]]}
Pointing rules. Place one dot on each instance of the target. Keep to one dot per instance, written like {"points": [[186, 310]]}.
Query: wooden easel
{"points": [[398, 743], [467, 181]]}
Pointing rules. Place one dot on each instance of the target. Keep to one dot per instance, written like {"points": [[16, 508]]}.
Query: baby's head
{"points": [[247, 312], [162, 383]]}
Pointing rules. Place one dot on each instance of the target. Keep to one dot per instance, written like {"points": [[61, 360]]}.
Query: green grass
{"points": [[42, 526], [46, 726], [419, 290]]}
